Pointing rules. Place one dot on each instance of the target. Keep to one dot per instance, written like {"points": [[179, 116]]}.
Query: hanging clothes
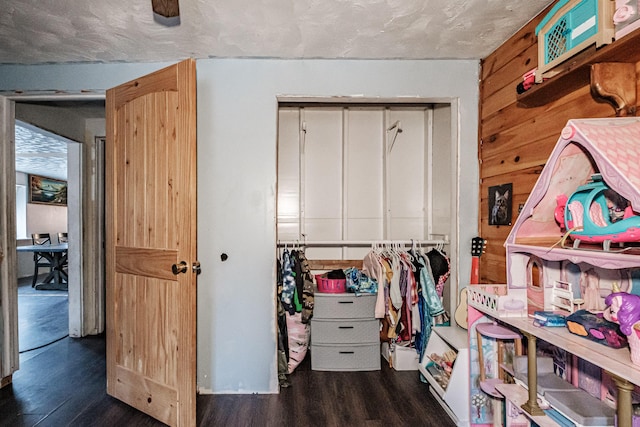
{"points": [[431, 304], [394, 284], [283, 340], [406, 322], [297, 276], [410, 289], [298, 332], [306, 287], [288, 283], [440, 267], [372, 267]]}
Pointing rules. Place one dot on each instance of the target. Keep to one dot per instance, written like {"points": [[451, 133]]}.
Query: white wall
{"points": [[237, 131], [237, 124], [46, 219]]}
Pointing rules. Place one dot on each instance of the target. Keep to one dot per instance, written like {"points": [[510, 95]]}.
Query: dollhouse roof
{"points": [[610, 147]]}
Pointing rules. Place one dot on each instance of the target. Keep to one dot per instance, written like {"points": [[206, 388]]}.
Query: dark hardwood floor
{"points": [[64, 383], [65, 386]]}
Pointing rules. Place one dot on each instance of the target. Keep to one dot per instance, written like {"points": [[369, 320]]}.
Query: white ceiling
{"points": [[54, 31], [40, 152]]}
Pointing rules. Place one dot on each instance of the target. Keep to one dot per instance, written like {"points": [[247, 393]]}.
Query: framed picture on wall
{"points": [[500, 204], [47, 191]]}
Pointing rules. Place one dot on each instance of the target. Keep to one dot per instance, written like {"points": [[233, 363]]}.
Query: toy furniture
{"points": [[562, 297], [488, 385], [500, 334], [570, 27]]}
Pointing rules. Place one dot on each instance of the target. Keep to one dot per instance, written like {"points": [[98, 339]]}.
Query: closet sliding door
{"points": [[321, 178], [363, 173], [364, 178]]}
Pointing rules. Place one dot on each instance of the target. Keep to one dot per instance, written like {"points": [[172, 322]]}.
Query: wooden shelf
{"points": [[518, 396], [616, 361], [576, 72]]}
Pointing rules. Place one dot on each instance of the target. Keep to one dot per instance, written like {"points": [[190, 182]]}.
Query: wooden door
{"points": [[151, 243]]}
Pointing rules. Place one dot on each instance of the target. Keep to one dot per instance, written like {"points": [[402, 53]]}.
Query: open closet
{"points": [[354, 177]]}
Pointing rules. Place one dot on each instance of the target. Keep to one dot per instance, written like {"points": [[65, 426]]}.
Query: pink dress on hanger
{"points": [[372, 267]]}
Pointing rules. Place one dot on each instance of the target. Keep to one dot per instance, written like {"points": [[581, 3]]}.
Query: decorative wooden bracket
{"points": [[615, 83], [166, 8]]}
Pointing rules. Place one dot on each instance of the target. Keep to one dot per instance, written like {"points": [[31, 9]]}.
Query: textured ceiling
{"points": [[53, 31], [64, 31], [40, 152]]}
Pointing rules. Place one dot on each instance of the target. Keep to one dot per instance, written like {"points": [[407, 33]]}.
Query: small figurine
{"points": [[619, 207], [624, 309]]}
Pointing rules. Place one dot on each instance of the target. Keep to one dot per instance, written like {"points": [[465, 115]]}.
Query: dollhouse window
{"points": [[534, 273]]}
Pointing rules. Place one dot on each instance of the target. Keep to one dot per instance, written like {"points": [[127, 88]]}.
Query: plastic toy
{"points": [[570, 27], [624, 308], [590, 216]]}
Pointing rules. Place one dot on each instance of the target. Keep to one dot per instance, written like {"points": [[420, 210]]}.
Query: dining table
{"points": [[56, 254]]}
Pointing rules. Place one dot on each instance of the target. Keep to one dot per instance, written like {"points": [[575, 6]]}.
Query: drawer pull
{"points": [[347, 352], [345, 327], [345, 302]]}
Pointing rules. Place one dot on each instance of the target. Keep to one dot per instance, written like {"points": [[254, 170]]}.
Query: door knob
{"points": [[179, 268], [195, 267]]}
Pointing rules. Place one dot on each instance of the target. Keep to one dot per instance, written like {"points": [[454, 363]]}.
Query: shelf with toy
{"points": [[448, 383], [576, 72], [592, 158], [595, 256], [588, 193], [615, 361], [517, 396]]}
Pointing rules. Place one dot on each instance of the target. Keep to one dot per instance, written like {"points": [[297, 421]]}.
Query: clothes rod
{"points": [[338, 243]]}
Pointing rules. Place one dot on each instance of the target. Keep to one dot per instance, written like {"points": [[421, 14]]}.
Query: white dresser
{"points": [[344, 333]]}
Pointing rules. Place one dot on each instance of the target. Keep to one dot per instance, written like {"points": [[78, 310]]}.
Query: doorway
{"points": [[80, 119], [41, 159]]}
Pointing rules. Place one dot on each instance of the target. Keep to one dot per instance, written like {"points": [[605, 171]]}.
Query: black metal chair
{"points": [[38, 260]]}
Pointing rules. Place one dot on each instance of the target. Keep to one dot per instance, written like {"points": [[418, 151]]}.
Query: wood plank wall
{"points": [[515, 142]]}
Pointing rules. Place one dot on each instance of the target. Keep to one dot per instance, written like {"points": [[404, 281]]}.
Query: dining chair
{"points": [[38, 259], [64, 238]]}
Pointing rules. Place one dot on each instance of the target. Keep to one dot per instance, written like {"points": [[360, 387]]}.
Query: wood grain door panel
{"points": [[151, 224]]}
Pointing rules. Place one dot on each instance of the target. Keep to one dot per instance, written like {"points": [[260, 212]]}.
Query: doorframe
{"points": [[86, 299]]}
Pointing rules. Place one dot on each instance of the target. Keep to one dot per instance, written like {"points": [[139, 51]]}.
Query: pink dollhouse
{"points": [[540, 260], [575, 241]]}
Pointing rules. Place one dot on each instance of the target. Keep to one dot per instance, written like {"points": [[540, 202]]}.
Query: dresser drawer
{"points": [[345, 331], [345, 357], [344, 306]]}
